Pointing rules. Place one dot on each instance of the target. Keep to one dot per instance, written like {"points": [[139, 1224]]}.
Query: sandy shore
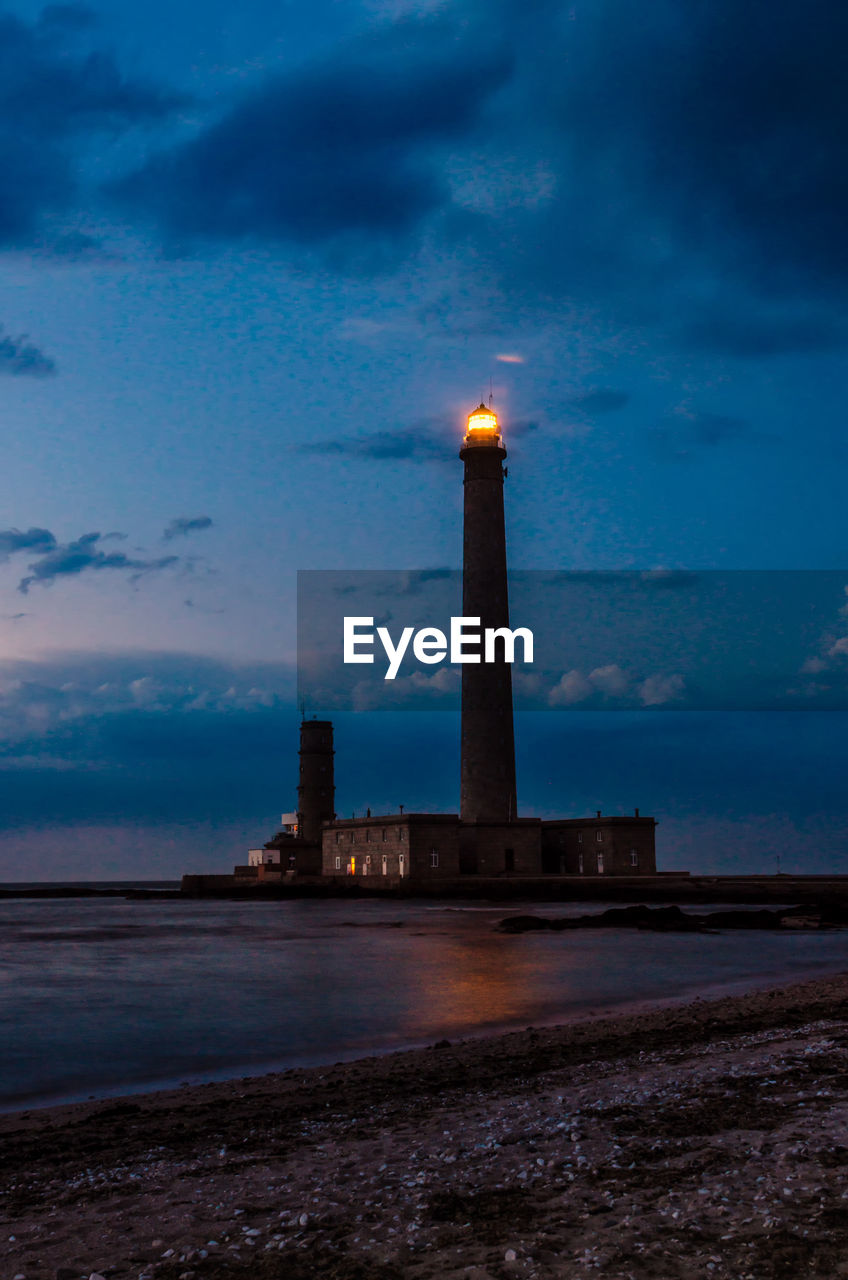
{"points": [[704, 1140]]}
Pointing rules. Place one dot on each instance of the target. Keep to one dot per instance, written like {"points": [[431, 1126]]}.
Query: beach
{"points": [[699, 1139]]}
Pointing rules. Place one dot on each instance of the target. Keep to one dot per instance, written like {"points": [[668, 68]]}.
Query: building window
{"points": [[353, 837], [634, 857], [579, 837], [600, 863], [434, 857], [599, 835], [368, 859], [368, 836], [338, 837], [402, 864], [402, 833], [385, 864], [580, 863], [338, 864], [385, 835]]}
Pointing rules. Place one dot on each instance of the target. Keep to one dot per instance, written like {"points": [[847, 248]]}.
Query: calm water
{"points": [[104, 996]]}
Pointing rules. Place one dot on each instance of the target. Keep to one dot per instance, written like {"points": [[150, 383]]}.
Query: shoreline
{"points": [[663, 888], [445, 1160], [257, 1072]]}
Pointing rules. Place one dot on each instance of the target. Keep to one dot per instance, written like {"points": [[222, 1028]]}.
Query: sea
{"points": [[107, 996]]}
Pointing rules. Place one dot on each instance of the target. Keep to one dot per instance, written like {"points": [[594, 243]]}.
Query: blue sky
{"points": [[259, 263]]}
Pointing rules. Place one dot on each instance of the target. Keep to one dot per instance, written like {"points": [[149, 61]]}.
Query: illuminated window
{"points": [[634, 857], [599, 835], [368, 859], [434, 857], [580, 863], [338, 864], [600, 863], [385, 864], [402, 864]]}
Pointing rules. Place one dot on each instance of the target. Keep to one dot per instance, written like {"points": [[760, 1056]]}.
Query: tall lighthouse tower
{"points": [[487, 788]]}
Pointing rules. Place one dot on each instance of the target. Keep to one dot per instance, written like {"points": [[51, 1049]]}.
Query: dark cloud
{"points": [[82, 555], [403, 444], [73, 17], [686, 429], [57, 99], [182, 526], [12, 540], [429, 441], [754, 334], [601, 400], [685, 170], [349, 149], [690, 162], [20, 359]]}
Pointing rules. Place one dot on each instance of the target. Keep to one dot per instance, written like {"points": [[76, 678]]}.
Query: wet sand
{"points": [[706, 1139]]}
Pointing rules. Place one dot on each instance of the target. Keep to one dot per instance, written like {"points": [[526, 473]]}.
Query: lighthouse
{"points": [[487, 748]]}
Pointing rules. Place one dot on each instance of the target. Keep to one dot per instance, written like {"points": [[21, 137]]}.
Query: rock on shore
{"points": [[672, 919]]}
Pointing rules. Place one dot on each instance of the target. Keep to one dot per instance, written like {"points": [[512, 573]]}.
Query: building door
{"points": [[385, 864], [468, 860], [600, 863], [402, 863]]}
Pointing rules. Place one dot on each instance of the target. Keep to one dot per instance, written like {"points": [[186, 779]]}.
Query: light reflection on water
{"points": [[104, 995]]}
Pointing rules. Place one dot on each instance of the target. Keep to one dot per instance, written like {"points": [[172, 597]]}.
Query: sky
{"points": [[258, 263]]}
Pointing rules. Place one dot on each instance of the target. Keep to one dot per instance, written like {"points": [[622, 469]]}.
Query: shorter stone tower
{"points": [[316, 789]]}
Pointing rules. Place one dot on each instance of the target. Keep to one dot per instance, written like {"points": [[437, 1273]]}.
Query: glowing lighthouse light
{"points": [[482, 420]]}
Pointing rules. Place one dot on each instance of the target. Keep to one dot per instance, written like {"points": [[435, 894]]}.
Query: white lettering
{"points": [[509, 638], [430, 645], [459, 640], [351, 639], [394, 655]]}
